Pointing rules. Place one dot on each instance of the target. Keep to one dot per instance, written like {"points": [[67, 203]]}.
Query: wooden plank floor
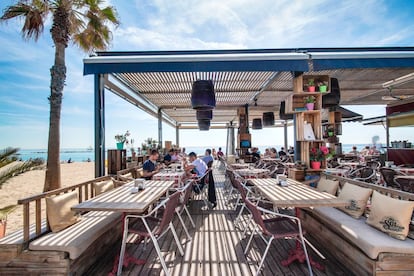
{"points": [[216, 248]]}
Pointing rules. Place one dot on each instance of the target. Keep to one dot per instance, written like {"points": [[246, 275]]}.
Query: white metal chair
{"points": [[149, 226]]}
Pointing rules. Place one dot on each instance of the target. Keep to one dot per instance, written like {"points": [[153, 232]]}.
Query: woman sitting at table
{"points": [[150, 167], [273, 153]]}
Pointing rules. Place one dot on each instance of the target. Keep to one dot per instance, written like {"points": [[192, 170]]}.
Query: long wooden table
{"points": [[297, 195], [122, 200]]}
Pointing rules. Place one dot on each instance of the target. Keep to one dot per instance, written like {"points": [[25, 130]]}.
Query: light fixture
{"points": [[203, 124], [204, 114], [257, 123], [399, 81], [202, 95]]}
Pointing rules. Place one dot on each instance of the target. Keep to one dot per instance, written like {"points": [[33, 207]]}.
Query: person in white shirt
{"points": [[197, 165]]}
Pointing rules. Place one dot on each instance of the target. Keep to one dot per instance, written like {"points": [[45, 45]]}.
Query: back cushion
{"points": [[103, 186], [59, 214], [357, 197], [328, 185]]}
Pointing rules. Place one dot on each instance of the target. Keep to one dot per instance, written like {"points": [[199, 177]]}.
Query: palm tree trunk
{"points": [[58, 77]]}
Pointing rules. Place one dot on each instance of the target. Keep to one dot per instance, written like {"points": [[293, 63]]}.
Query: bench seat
{"points": [[78, 237], [368, 239]]}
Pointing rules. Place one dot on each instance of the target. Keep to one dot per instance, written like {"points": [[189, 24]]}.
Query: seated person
{"points": [[282, 152], [374, 151], [354, 151], [365, 151], [207, 157], [291, 150], [196, 165], [168, 157], [273, 153], [266, 153], [256, 155], [150, 166], [220, 153], [214, 153]]}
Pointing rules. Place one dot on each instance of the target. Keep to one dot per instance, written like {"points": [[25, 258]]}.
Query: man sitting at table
{"points": [[168, 156], [354, 151], [207, 157], [196, 166], [150, 166]]}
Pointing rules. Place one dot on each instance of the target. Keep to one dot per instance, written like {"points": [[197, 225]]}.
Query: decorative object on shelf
{"points": [[311, 85], [316, 165], [323, 87], [330, 131], [257, 123], [318, 154], [121, 139], [310, 102], [202, 95]]}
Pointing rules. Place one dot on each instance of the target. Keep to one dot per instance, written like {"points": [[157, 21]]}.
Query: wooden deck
{"points": [[216, 249]]}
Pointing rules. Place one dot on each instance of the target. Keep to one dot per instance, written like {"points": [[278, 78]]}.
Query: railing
{"points": [[85, 191]]}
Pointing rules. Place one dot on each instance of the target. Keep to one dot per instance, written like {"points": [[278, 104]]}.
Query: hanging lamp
{"points": [[204, 114], [257, 123], [203, 124], [202, 95], [268, 119]]}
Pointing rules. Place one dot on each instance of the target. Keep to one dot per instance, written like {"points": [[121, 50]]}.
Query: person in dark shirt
{"points": [[150, 166], [282, 152], [168, 156]]}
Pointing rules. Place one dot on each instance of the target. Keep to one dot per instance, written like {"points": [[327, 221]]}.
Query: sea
{"points": [[88, 154]]}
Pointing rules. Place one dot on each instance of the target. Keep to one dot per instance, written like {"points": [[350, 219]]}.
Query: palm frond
{"points": [[6, 156], [6, 210], [18, 169]]}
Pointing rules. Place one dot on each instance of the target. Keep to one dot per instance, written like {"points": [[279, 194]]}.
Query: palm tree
{"points": [[85, 24], [8, 170]]}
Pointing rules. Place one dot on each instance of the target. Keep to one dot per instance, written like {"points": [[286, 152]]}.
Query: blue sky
{"points": [[181, 25]]}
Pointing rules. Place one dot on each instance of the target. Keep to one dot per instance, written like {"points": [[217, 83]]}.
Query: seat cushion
{"points": [[77, 238], [370, 240], [59, 213], [390, 215], [357, 197]]}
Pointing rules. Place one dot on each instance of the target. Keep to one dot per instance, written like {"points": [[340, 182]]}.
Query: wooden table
{"points": [[407, 171], [253, 173], [174, 175], [295, 195], [122, 200]]}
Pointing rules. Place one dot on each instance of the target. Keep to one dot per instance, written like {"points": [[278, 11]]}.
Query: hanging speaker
{"points": [[268, 119], [257, 123], [282, 112], [204, 114], [334, 97], [203, 124], [202, 95]]}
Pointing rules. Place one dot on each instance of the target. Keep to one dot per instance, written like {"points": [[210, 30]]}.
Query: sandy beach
{"points": [[31, 183]]}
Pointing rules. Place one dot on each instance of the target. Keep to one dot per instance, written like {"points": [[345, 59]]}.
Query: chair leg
{"points": [[123, 247], [269, 242], [157, 248], [236, 220], [250, 240], [183, 224], [246, 227], [180, 248], [302, 240], [189, 216]]}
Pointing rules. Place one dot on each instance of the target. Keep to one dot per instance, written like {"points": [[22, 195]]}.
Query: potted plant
{"points": [[121, 139], [317, 155], [3, 218], [311, 85], [323, 87], [310, 102]]}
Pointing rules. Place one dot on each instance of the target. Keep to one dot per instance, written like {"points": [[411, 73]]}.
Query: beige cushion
{"points": [[390, 215], [77, 238], [371, 241], [59, 214], [357, 198], [328, 185], [126, 177], [103, 186], [118, 183]]}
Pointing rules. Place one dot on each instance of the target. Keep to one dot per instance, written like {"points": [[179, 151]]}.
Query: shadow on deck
{"points": [[216, 248]]}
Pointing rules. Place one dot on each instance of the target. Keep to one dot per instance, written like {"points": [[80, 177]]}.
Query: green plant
{"points": [[309, 99], [122, 138], [318, 154], [311, 82]]}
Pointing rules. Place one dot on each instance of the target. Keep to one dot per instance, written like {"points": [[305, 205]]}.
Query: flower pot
{"points": [[323, 88], [330, 133], [120, 145], [3, 224], [316, 165], [310, 106], [311, 88]]}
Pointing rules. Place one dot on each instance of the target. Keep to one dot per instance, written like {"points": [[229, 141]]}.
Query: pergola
{"points": [[160, 82]]}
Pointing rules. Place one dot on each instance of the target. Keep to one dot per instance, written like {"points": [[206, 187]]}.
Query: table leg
{"points": [[127, 257]]}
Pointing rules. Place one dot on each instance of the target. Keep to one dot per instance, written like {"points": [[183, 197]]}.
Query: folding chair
{"points": [[200, 184], [149, 226], [185, 196], [279, 226]]}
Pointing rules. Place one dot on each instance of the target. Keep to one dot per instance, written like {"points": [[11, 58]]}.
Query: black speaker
{"points": [[282, 112], [257, 123], [334, 97], [203, 124], [268, 119], [202, 95]]}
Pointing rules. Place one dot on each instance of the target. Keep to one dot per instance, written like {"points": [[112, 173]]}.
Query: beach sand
{"points": [[31, 183]]}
